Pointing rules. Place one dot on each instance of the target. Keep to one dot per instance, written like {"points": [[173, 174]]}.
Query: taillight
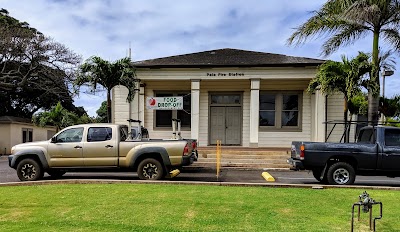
{"points": [[194, 145], [186, 150], [302, 151]]}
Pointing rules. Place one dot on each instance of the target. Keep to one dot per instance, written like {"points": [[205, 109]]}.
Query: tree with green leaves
{"points": [[343, 22], [96, 71], [59, 117], [102, 112], [345, 77], [358, 105], [35, 71], [390, 107]]}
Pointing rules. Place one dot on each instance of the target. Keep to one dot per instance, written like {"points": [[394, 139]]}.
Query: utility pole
{"points": [[385, 73]]}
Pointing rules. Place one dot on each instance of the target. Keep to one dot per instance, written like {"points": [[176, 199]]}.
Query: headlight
{"points": [[12, 149]]}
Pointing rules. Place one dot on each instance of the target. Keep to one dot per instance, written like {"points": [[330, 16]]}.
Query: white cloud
{"points": [[160, 28]]}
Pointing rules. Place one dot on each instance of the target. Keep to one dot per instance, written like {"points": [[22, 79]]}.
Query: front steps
{"points": [[240, 157]]}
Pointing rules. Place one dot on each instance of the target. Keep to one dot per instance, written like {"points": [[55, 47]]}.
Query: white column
{"points": [[195, 110], [254, 111], [141, 105], [119, 105], [319, 117], [134, 112]]}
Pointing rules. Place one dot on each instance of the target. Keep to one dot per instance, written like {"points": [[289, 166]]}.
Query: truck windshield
{"points": [[367, 136]]}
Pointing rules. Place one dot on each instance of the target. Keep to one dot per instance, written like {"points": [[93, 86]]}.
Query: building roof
{"points": [[12, 119], [228, 57], [18, 120]]}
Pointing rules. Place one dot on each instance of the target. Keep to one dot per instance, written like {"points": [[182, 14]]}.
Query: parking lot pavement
{"points": [[305, 177], [226, 175], [8, 174]]}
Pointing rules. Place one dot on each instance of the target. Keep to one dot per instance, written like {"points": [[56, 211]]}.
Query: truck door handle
{"points": [[109, 146], [78, 147]]}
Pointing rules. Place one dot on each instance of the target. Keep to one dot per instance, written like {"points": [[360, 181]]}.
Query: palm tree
{"points": [[343, 22], [345, 77], [98, 71]]}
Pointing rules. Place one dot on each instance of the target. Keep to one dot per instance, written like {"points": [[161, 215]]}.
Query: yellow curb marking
{"points": [[268, 177], [174, 173]]}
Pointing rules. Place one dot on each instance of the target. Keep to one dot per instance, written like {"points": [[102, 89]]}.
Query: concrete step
{"points": [[233, 156], [239, 152], [254, 161], [238, 157], [240, 165]]}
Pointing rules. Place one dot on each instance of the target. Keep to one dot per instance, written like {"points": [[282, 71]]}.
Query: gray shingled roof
{"points": [[228, 57], [12, 119]]}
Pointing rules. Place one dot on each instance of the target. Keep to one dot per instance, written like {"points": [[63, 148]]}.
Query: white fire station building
{"points": [[243, 98]]}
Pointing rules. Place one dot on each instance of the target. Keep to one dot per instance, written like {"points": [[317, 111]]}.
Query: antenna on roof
{"points": [[130, 51]]}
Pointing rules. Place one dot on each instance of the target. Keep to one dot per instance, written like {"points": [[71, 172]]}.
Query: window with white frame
{"points": [[27, 135], [280, 110], [163, 118]]}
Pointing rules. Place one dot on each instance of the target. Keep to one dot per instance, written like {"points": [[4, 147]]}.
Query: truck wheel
{"points": [[56, 173], [341, 173], [150, 169], [29, 170]]}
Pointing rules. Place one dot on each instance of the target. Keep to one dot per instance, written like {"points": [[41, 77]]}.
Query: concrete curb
{"points": [[276, 169], [171, 182]]}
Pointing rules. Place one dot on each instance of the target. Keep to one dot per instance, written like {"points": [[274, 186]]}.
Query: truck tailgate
{"points": [[295, 149]]}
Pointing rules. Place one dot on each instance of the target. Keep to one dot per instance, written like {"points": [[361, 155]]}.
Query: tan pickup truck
{"points": [[101, 147]]}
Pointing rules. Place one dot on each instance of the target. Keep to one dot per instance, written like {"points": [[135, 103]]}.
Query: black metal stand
{"points": [[347, 126], [366, 203]]}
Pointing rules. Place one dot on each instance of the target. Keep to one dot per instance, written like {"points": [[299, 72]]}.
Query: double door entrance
{"points": [[225, 119]]}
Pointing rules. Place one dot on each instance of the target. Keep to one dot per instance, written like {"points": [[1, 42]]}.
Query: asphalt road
{"points": [[8, 174]]}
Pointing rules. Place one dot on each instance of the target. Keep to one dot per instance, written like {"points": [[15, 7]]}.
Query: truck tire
{"points": [[56, 173], [150, 169], [29, 170], [341, 173]]}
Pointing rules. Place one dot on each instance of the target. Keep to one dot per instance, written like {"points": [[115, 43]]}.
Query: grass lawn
{"points": [[144, 207]]}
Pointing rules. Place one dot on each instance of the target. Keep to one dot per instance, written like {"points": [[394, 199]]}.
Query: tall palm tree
{"points": [[345, 77], [343, 22], [98, 71]]}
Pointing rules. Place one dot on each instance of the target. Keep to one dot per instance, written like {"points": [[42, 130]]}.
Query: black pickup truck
{"points": [[375, 153]]}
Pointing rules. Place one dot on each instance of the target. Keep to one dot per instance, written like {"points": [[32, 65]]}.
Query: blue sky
{"points": [[159, 28]]}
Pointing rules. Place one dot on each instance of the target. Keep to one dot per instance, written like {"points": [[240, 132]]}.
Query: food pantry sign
{"points": [[164, 103]]}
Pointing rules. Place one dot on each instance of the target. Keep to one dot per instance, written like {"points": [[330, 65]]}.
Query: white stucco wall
{"points": [[13, 134], [284, 139], [5, 140]]}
